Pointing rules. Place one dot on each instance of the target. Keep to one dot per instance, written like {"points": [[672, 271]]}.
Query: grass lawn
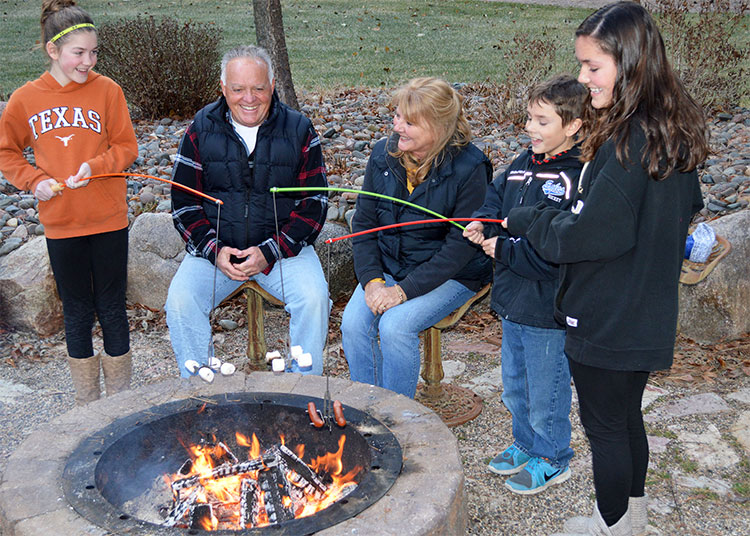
{"points": [[331, 43], [341, 43]]}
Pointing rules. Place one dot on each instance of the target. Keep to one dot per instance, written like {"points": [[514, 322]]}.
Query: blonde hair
{"points": [[434, 104], [59, 15]]}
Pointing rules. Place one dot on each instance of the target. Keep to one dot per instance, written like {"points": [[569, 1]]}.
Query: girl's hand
{"points": [[475, 232], [489, 246], [80, 179], [44, 191]]}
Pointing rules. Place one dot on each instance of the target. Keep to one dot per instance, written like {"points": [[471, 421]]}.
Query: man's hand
{"points": [[475, 232], [44, 191], [254, 261], [223, 263], [80, 179]]}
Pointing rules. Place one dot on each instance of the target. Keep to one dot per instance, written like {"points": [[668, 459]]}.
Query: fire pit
{"points": [[88, 471], [116, 478]]}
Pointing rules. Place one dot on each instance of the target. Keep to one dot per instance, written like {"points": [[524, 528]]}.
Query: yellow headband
{"points": [[68, 30]]}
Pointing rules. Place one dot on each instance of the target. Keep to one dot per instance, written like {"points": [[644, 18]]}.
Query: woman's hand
{"points": [[380, 298], [80, 179], [44, 190], [475, 232]]}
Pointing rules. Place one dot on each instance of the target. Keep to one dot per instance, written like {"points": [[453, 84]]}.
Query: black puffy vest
{"points": [[247, 215]]}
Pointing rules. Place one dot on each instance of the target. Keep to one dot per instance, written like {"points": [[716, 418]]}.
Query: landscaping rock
{"points": [[718, 308], [155, 251], [28, 294]]}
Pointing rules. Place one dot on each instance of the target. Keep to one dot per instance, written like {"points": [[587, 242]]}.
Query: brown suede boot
{"points": [[117, 372], [85, 375]]}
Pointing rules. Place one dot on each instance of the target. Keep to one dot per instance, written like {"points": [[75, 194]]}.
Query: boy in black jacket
{"points": [[536, 377]]}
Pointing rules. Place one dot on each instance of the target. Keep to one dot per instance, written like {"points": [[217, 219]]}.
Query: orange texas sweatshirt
{"points": [[66, 126]]}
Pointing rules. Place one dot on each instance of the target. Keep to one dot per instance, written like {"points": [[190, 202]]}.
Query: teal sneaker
{"points": [[537, 476], [509, 462]]}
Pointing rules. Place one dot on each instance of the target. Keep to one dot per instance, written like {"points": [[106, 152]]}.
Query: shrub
{"points": [[165, 68], [708, 48], [531, 59]]}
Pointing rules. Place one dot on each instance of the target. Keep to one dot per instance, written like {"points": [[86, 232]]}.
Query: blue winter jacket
{"points": [[525, 284], [421, 257]]}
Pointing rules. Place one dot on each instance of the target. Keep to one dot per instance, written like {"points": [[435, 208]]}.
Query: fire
{"points": [[214, 491]]}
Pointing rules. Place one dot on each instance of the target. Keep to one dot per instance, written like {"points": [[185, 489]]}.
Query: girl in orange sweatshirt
{"points": [[78, 125]]}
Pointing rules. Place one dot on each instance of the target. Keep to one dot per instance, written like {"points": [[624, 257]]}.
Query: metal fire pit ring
{"points": [[428, 497], [139, 447]]}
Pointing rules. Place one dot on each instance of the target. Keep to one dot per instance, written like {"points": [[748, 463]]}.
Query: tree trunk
{"points": [[269, 32]]}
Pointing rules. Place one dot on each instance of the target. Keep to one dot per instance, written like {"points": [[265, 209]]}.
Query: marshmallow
{"points": [[227, 369], [270, 356], [192, 366], [278, 365], [305, 362], [296, 352], [214, 363], [206, 374]]}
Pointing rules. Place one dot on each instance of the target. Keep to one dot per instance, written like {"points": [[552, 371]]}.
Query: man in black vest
{"points": [[235, 150]]}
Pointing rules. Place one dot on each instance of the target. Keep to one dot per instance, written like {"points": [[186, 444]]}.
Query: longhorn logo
{"points": [[65, 140]]}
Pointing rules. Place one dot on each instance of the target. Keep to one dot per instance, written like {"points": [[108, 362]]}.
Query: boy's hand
{"points": [[44, 190], [80, 179], [474, 232], [489, 246]]}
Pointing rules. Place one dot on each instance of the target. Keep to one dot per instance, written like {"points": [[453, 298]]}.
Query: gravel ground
{"points": [[41, 385]]}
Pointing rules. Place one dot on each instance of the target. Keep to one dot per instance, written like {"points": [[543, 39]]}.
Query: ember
{"points": [[213, 490]]}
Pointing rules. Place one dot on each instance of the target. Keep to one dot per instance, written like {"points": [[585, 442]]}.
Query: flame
{"points": [[332, 464], [225, 492]]}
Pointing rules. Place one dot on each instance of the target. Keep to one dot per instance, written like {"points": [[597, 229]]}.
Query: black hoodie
{"points": [[621, 249]]}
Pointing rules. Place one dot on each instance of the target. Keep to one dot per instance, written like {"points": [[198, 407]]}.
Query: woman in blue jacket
{"points": [[411, 277]]}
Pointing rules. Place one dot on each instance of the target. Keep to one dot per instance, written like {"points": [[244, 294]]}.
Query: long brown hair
{"points": [[58, 15], [432, 102], [646, 90]]}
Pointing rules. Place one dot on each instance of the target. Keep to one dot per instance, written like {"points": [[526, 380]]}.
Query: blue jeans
{"points": [[305, 294], [536, 390], [393, 362]]}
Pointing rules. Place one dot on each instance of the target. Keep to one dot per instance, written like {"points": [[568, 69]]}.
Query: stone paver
{"points": [[703, 403], [707, 448]]}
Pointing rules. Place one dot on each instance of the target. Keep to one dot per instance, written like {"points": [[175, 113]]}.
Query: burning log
{"points": [[201, 516], [249, 506], [303, 471], [181, 508], [226, 470], [275, 488]]}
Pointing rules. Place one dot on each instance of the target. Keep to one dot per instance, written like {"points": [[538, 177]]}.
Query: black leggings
{"points": [[91, 273], [610, 408]]}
